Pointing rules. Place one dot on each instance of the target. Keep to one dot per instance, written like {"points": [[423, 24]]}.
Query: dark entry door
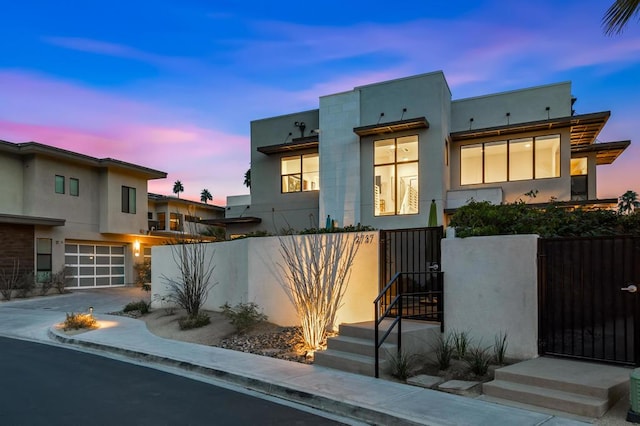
{"points": [[414, 254], [588, 306]]}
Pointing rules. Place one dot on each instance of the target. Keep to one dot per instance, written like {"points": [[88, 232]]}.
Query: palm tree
{"points": [[247, 178], [205, 196], [178, 188], [618, 15], [628, 202]]}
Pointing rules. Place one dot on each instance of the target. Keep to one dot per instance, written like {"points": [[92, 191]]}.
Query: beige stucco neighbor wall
{"points": [[248, 270], [490, 285]]}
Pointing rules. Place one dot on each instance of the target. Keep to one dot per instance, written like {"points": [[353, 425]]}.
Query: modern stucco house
{"points": [[379, 154], [91, 215]]}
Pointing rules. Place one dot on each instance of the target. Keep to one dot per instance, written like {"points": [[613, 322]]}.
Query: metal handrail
{"points": [[397, 304]]}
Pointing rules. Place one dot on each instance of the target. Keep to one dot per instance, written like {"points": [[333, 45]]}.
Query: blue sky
{"points": [[173, 84]]}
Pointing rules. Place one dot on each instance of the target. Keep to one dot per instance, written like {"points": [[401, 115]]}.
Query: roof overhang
{"points": [[606, 153], [30, 220], [35, 148], [392, 127], [232, 221], [584, 128], [296, 144]]}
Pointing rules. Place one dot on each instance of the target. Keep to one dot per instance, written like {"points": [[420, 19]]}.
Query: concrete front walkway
{"points": [[362, 398]]}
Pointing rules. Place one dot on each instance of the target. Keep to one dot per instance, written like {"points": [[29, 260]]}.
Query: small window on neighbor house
{"points": [[74, 187], [59, 184], [128, 200], [43, 259], [175, 222], [162, 221]]}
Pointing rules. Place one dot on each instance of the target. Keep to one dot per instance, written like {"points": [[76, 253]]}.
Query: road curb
{"points": [[288, 393]]}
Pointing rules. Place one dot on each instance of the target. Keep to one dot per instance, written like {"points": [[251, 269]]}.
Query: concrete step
{"points": [[359, 346], [582, 378], [345, 361], [581, 405], [366, 331]]}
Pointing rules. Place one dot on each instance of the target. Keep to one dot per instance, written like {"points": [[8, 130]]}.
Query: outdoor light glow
{"points": [[136, 248], [107, 324]]}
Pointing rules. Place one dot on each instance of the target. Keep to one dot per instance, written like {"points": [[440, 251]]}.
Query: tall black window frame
{"points": [[128, 200]]}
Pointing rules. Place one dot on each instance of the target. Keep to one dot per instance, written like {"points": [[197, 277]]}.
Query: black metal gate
{"points": [[410, 266], [587, 303]]}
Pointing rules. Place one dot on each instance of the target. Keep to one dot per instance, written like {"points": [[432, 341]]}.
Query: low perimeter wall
{"points": [[490, 286], [248, 270]]}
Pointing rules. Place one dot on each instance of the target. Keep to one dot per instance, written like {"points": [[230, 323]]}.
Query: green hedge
{"points": [[483, 218]]}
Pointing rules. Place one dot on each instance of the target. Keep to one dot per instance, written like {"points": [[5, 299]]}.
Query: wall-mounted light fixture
{"points": [[136, 248], [403, 111], [301, 126]]}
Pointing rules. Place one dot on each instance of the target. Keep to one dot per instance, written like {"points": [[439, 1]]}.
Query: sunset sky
{"points": [[173, 84]]}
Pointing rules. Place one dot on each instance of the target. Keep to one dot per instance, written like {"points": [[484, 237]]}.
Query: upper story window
{"points": [[128, 200], [59, 184], [396, 176], [510, 160], [579, 179], [74, 187], [162, 221], [175, 222], [300, 173]]}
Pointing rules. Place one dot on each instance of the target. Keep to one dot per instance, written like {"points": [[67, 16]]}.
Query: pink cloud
{"points": [[111, 125]]}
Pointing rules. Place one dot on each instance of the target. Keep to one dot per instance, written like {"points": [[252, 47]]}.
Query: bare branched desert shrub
{"points": [[60, 280], [10, 279], [316, 273], [26, 284], [195, 266]]}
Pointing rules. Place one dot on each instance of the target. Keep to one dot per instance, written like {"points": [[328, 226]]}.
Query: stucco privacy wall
{"points": [[490, 285], [248, 270]]}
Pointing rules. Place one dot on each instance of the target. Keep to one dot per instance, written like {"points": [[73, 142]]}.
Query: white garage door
{"points": [[91, 265]]}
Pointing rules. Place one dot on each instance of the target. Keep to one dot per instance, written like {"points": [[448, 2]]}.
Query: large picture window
{"points": [[395, 183], [128, 200], [512, 160], [300, 173]]}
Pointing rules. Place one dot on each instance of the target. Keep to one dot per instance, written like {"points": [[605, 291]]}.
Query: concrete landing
{"points": [[576, 387]]}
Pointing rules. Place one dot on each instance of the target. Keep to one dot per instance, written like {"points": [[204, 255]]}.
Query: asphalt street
{"points": [[49, 385]]}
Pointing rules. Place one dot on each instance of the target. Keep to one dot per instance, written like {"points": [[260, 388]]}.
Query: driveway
{"points": [[31, 318]]}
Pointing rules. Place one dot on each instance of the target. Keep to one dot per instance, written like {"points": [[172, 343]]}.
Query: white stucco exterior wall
{"points": [[248, 270], [490, 285], [339, 159]]}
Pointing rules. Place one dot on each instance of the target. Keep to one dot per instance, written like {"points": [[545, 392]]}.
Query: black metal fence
{"points": [[585, 311]]}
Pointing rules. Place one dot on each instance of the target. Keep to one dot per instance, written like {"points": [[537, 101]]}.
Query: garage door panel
{"points": [[95, 265]]}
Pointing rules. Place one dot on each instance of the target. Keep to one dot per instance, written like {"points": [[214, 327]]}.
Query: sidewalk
{"points": [[361, 398]]}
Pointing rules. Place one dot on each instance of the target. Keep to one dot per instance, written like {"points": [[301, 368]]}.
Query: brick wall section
{"points": [[16, 241]]}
